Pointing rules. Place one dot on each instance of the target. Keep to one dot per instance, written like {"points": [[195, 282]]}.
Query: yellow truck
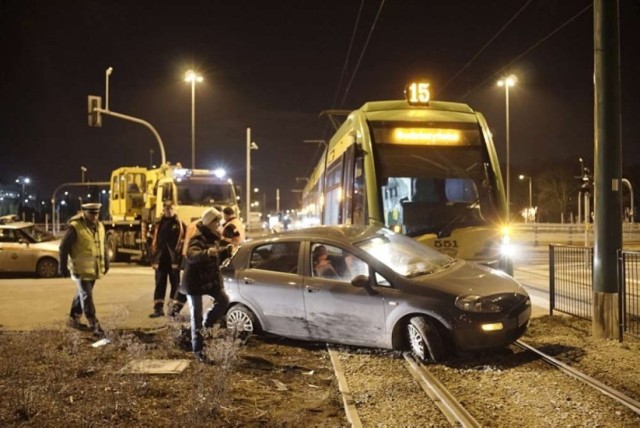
{"points": [[136, 196]]}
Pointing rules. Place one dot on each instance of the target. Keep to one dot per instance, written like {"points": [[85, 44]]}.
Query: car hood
{"points": [[466, 278], [48, 245]]}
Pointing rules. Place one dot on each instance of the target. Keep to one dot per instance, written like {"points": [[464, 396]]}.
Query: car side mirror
{"points": [[23, 241], [360, 281]]}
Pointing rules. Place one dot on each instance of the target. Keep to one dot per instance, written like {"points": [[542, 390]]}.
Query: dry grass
{"points": [[55, 378]]}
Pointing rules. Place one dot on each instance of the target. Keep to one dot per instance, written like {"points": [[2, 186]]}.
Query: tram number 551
{"points": [[417, 93], [445, 243]]}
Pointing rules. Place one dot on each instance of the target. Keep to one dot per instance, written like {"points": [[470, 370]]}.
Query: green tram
{"points": [[426, 169]]}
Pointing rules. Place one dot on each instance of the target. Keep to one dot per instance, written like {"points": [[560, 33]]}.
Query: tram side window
{"points": [[359, 197], [333, 194]]}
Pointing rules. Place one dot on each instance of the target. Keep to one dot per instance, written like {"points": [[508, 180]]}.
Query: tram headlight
{"points": [[473, 303], [507, 249]]}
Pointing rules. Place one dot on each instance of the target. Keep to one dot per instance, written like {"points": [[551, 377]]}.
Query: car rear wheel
{"points": [[242, 322], [425, 341], [47, 268]]}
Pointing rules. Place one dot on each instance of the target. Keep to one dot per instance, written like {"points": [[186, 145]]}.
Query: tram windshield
{"points": [[433, 187]]}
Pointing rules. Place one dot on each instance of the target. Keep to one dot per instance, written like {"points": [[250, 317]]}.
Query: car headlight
{"points": [[474, 303]]}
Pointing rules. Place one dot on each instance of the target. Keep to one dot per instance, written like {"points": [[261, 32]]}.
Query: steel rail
{"points": [[596, 384], [455, 413], [343, 386]]}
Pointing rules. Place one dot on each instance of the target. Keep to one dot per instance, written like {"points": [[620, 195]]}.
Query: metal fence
{"points": [[571, 284], [571, 279], [630, 291]]}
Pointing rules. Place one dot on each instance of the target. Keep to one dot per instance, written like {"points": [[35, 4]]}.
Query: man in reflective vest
{"points": [[84, 243], [233, 229]]}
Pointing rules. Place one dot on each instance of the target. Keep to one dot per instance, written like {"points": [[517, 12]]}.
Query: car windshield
{"points": [[36, 235], [405, 256]]}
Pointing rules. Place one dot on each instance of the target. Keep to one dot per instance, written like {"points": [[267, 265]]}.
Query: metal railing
{"points": [[630, 291], [571, 284], [571, 279]]}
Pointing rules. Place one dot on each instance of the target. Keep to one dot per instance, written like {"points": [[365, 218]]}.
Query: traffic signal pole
{"points": [[96, 111], [608, 169]]}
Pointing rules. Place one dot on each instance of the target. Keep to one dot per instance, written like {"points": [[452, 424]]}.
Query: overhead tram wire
{"points": [[342, 74], [346, 59], [535, 45], [364, 48], [486, 45], [346, 62]]}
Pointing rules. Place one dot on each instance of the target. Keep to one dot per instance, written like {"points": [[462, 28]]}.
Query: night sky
{"points": [[275, 65]]}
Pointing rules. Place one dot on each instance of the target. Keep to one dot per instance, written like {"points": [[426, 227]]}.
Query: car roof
{"points": [[15, 225], [347, 234]]}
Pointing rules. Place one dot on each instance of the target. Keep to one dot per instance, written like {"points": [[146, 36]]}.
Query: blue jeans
{"points": [[213, 315], [83, 301]]}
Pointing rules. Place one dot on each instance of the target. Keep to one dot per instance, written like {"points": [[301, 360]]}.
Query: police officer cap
{"points": [[93, 208]]}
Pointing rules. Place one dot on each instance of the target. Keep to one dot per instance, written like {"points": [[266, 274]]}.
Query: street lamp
{"points": [[507, 82], [24, 181], [522, 177], [251, 145], [192, 77], [83, 170]]}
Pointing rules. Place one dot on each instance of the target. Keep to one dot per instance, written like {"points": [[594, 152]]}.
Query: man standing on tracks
{"points": [[84, 243], [166, 246]]}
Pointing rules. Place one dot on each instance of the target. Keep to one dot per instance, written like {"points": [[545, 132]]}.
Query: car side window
{"points": [[382, 281], [6, 235], [332, 262], [277, 257]]}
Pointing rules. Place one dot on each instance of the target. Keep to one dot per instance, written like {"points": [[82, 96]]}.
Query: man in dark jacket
{"points": [[166, 246], [202, 277]]}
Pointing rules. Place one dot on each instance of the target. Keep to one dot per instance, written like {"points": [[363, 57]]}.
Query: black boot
{"points": [[157, 311], [174, 312], [74, 322]]}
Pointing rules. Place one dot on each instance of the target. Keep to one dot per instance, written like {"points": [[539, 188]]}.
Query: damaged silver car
{"points": [[368, 286]]}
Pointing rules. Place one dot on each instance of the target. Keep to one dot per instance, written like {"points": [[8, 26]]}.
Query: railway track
{"points": [[467, 392]]}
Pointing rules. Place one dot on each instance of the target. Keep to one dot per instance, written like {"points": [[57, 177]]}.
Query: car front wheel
{"points": [[425, 341], [242, 322], [47, 268]]}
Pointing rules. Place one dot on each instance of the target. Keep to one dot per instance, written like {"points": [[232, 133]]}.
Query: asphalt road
{"points": [[124, 298]]}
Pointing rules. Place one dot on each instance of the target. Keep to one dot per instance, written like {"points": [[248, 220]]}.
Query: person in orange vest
{"points": [[166, 254], [232, 229]]}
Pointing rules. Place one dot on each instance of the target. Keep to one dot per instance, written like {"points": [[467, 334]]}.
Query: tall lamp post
{"points": [[507, 82], [522, 177], [247, 190], [24, 181], [83, 170], [193, 78]]}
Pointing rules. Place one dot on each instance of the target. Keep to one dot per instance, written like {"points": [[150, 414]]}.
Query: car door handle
{"points": [[311, 289], [249, 280]]}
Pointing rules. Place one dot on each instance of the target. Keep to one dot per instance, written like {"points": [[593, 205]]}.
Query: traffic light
{"points": [[95, 119]]}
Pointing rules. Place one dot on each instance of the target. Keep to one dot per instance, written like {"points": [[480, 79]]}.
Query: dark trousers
{"points": [[161, 285], [213, 315], [83, 301]]}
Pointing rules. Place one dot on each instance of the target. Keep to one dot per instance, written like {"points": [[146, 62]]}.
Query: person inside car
{"points": [[322, 266]]}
